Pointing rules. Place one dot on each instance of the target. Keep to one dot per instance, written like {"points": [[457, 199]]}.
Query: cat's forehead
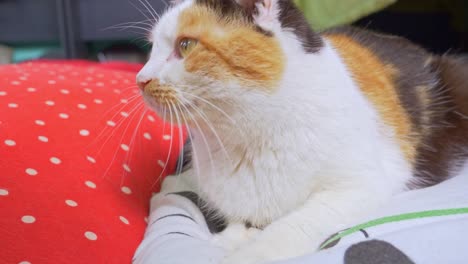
{"points": [[169, 20], [195, 15]]}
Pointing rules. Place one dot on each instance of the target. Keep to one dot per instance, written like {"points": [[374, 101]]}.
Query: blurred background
{"points": [[108, 30]]}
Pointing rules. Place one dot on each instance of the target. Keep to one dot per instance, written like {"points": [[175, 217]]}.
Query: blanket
{"points": [[421, 226]]}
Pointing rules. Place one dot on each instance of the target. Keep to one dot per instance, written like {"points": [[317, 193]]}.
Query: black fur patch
{"points": [[216, 223], [438, 119], [408, 58], [290, 17], [446, 149], [184, 162]]}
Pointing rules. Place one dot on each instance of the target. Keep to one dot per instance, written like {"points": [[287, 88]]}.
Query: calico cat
{"points": [[300, 133]]}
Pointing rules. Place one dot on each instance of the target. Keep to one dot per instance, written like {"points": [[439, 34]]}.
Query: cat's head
{"points": [[210, 55]]}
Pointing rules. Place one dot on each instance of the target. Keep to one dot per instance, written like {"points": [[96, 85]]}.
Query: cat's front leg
{"points": [[302, 231], [177, 183]]}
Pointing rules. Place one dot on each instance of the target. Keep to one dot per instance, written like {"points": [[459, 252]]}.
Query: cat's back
{"points": [[423, 97]]}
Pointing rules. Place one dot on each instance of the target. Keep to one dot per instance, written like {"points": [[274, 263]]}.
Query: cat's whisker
{"points": [[170, 146], [143, 12], [210, 126], [136, 108], [149, 8], [194, 155], [210, 104], [154, 11], [208, 148], [122, 106], [179, 124], [132, 141], [132, 27], [126, 24]]}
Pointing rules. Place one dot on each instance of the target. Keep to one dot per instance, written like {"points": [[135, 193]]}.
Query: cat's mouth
{"points": [[161, 94], [168, 103]]}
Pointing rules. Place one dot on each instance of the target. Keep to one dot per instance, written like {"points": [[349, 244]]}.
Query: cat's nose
{"points": [[142, 83]]}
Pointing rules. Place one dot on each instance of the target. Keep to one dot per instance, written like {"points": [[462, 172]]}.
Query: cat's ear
{"points": [[265, 12]]}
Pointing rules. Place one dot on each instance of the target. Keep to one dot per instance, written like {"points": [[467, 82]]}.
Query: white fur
{"points": [[322, 157]]}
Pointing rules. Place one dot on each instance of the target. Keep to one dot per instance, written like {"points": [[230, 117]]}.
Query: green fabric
{"points": [[396, 218], [323, 14]]}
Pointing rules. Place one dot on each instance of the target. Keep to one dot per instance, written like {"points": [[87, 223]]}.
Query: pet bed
{"points": [[422, 226]]}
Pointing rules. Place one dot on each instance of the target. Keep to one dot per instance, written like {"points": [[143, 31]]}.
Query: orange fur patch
{"points": [[230, 49], [163, 94], [376, 81]]}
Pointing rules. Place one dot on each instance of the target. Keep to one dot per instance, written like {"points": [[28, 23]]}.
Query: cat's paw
{"points": [[252, 253], [244, 257], [234, 236], [174, 184]]}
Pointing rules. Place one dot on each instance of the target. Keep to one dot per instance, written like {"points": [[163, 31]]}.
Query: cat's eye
{"points": [[186, 45]]}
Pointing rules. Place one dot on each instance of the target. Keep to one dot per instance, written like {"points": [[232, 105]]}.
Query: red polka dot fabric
{"points": [[80, 157]]}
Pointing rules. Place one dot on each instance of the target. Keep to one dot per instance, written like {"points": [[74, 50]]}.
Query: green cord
{"points": [[395, 218]]}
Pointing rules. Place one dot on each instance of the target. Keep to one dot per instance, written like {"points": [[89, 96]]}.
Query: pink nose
{"points": [[142, 83]]}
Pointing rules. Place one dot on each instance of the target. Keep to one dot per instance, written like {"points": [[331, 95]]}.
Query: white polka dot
{"points": [[117, 91], [51, 82], [90, 235], [82, 106], [13, 105], [84, 132], [84, 84], [111, 123], [89, 79], [43, 139], [55, 160], [31, 172], [15, 83], [71, 203], [151, 118], [88, 90], [100, 75], [124, 114], [31, 89], [126, 190], [100, 84], [65, 91], [98, 101], [50, 103], [10, 143], [40, 123], [3, 192], [3, 93], [161, 163], [124, 101], [167, 137], [90, 184], [124, 220], [146, 219], [64, 116], [24, 262], [127, 168], [91, 159], [23, 78], [124, 147], [28, 219], [147, 136]]}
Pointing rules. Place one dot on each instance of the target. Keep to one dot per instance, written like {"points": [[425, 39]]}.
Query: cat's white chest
{"points": [[245, 189]]}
